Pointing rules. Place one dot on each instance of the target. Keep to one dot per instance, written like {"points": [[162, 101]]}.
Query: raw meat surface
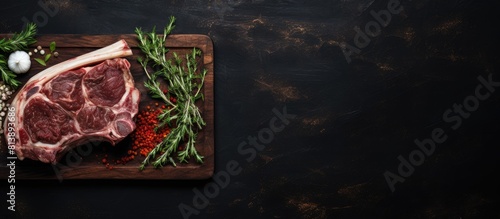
{"points": [[54, 114]]}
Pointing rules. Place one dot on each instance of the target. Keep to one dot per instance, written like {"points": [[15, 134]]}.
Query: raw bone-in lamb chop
{"points": [[75, 102]]}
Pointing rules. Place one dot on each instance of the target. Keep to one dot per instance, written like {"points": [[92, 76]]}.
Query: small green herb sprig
{"points": [[185, 84], [19, 41], [8, 76], [43, 61]]}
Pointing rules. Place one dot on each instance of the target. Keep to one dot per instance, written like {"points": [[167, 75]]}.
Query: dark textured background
{"points": [[353, 119]]}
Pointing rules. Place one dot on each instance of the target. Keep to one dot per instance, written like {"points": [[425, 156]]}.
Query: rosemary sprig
{"points": [[7, 75], [19, 41], [185, 84]]}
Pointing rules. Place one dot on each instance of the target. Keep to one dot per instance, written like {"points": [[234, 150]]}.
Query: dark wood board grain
{"points": [[85, 162]]}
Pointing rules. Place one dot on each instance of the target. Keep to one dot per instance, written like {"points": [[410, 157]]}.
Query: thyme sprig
{"points": [[18, 41], [185, 84]]}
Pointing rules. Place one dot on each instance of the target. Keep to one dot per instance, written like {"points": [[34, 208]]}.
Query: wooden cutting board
{"points": [[86, 162]]}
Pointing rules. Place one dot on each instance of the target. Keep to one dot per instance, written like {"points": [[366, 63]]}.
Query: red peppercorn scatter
{"points": [[106, 162], [144, 138]]}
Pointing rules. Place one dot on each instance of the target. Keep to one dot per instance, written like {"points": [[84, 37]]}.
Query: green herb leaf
{"points": [[41, 61], [52, 46], [47, 57], [7, 75], [185, 83], [19, 41]]}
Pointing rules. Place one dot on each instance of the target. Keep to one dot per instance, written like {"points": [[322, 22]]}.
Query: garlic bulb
{"points": [[19, 62]]}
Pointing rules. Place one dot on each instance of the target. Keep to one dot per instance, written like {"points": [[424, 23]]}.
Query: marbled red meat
{"points": [[68, 104]]}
